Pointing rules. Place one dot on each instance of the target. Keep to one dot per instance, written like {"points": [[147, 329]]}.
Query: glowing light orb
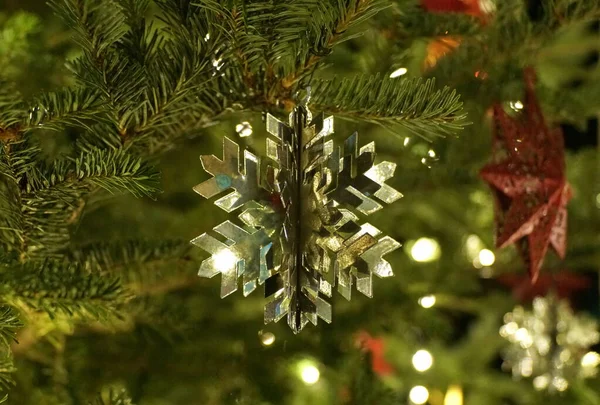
{"points": [[486, 257], [422, 360], [427, 301], [418, 395], [399, 72], [425, 250]]}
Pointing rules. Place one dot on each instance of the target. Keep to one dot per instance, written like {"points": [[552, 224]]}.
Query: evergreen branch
{"points": [[98, 25], [180, 88], [69, 107], [342, 16], [9, 323], [412, 104], [100, 28], [100, 135], [113, 170], [12, 111], [142, 40], [16, 158], [54, 197], [7, 369], [56, 287], [120, 82], [146, 267], [113, 256]]}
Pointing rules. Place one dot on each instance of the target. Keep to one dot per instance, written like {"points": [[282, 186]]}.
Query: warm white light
{"points": [[422, 360], [526, 367], [418, 395], [560, 384], [472, 246], [309, 374], [407, 140], [225, 260], [267, 338], [590, 359], [244, 129], [541, 382], [427, 301], [425, 250], [399, 72], [486, 257], [431, 153], [516, 105], [217, 64], [454, 395]]}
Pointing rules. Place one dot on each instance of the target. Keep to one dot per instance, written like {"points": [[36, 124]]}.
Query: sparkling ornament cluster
{"points": [[550, 343], [300, 231]]}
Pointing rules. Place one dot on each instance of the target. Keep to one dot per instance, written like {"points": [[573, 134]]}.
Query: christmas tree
{"points": [[490, 223]]}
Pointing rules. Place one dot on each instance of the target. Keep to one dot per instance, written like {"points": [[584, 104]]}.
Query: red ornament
{"points": [[563, 284], [527, 176], [471, 7], [376, 347]]}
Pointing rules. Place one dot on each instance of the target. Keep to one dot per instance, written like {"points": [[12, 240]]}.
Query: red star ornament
{"points": [[527, 176]]}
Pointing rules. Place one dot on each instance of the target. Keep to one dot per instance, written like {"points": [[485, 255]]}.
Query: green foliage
{"points": [[43, 200], [69, 107], [15, 41], [410, 104], [6, 377], [559, 40], [11, 109], [58, 288], [366, 388], [9, 324], [141, 264]]}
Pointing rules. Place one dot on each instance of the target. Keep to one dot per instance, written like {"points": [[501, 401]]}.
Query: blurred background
{"points": [[442, 330]]}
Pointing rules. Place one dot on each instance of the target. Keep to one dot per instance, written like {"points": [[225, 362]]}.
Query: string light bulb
{"points": [[244, 129], [422, 360], [427, 301], [486, 257], [418, 395], [425, 250], [309, 373], [454, 395], [399, 72], [516, 105], [267, 338]]}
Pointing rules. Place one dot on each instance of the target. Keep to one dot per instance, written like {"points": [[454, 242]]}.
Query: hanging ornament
{"points": [[441, 46], [476, 8], [438, 48], [376, 348], [527, 176], [300, 231], [550, 344]]}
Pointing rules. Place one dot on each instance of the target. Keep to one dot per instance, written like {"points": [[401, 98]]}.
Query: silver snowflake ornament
{"points": [[300, 229]]}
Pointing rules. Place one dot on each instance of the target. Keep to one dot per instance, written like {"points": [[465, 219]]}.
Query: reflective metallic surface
{"points": [[301, 232]]}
